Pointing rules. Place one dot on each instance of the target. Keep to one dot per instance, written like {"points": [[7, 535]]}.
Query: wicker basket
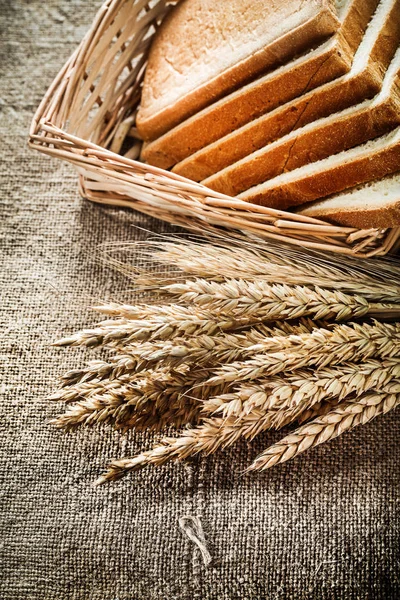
{"points": [[88, 116]]}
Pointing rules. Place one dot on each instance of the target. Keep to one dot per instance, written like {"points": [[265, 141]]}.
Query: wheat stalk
{"points": [[239, 297], [320, 348], [343, 418]]}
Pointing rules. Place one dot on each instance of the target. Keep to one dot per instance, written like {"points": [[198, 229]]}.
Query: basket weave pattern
{"points": [[88, 118]]}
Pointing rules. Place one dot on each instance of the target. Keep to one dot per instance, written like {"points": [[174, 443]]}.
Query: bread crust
{"points": [[181, 26], [280, 122], [360, 215], [330, 98], [247, 104], [326, 63], [315, 143], [378, 217], [364, 166]]}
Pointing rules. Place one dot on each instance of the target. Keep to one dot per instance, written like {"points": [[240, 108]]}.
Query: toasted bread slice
{"points": [[318, 140], [206, 49], [325, 63], [375, 204], [363, 81]]}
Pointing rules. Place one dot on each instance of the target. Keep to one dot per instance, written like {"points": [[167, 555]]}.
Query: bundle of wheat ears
{"points": [[236, 338]]}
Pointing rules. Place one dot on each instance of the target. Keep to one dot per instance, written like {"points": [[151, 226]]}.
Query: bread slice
{"points": [[206, 49], [318, 140], [372, 160], [375, 204], [329, 61], [363, 81]]}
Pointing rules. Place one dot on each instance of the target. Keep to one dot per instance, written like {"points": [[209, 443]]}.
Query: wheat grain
{"points": [[342, 418], [320, 348], [318, 410]]}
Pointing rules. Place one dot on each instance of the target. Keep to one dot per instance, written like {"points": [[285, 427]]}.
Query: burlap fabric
{"points": [[325, 526]]}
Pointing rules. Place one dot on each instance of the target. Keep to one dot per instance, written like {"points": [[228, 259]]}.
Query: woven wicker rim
{"points": [[87, 118]]}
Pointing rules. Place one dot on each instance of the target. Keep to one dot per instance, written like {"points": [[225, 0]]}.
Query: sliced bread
{"points": [[372, 160], [318, 140], [363, 81], [375, 204], [206, 49], [327, 62]]}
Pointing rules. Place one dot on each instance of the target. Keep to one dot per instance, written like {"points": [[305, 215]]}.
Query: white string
{"points": [[192, 527]]}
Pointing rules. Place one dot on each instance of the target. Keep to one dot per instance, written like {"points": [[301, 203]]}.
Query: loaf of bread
{"points": [[375, 204], [329, 61], [205, 49], [362, 82]]}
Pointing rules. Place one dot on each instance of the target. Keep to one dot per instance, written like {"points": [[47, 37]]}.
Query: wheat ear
{"points": [[215, 433], [117, 367], [239, 298], [94, 387], [205, 438], [322, 429], [125, 415], [320, 348], [98, 402], [290, 394], [152, 399], [127, 312], [276, 265], [206, 350], [150, 323]]}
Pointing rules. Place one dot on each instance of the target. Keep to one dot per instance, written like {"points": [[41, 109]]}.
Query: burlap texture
{"points": [[325, 526]]}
